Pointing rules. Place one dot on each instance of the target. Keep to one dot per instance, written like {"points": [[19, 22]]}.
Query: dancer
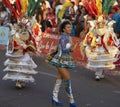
{"points": [[101, 46], [21, 44], [63, 61], [100, 41], [20, 65]]}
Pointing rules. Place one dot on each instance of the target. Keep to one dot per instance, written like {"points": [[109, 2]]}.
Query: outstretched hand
{"points": [[74, 45]]}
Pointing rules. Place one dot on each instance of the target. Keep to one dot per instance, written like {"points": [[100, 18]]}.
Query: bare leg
{"points": [[64, 73]]}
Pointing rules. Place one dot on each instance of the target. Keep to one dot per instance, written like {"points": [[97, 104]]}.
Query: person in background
{"points": [[118, 2], [47, 3], [4, 15], [48, 27], [116, 17]]}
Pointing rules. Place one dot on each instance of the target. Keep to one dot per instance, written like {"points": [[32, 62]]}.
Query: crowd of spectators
{"points": [[46, 15]]}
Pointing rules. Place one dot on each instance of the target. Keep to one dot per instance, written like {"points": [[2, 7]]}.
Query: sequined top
{"points": [[64, 39]]}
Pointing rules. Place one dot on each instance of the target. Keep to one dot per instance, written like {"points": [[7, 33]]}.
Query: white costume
{"points": [[101, 46], [20, 65]]}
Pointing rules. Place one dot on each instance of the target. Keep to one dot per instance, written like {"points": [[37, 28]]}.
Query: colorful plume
{"points": [[97, 7], [22, 7], [107, 4], [12, 9], [62, 11], [33, 4]]}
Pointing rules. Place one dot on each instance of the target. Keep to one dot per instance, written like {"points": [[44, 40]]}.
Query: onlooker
{"points": [[116, 17], [4, 15]]}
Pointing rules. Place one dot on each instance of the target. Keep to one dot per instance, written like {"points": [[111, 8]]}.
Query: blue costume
{"points": [[63, 57]]}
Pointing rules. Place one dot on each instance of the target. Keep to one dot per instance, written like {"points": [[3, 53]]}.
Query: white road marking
{"points": [[48, 74]]}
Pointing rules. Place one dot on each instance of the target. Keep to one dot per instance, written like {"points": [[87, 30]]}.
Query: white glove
{"points": [[24, 46], [68, 45]]}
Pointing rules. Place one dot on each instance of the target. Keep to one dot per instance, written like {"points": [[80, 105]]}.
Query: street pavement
{"points": [[87, 92]]}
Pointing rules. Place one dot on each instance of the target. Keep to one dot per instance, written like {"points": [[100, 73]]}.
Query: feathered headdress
{"points": [[64, 7], [22, 7], [91, 7], [33, 4], [98, 7]]}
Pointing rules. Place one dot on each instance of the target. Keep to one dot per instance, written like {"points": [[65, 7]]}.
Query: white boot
{"points": [[99, 75], [55, 93], [18, 84], [56, 89]]}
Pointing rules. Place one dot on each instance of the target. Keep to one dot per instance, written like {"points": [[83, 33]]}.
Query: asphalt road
{"points": [[87, 91]]}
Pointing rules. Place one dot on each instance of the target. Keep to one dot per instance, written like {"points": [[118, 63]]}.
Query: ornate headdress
{"points": [[98, 7], [22, 7]]}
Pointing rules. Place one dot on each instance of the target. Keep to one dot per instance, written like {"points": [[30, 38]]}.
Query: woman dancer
{"points": [[63, 61]]}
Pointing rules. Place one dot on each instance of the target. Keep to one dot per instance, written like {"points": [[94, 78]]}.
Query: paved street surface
{"points": [[87, 91]]}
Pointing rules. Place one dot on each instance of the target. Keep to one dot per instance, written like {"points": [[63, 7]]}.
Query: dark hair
{"points": [[63, 24], [43, 2], [2, 6], [48, 23]]}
